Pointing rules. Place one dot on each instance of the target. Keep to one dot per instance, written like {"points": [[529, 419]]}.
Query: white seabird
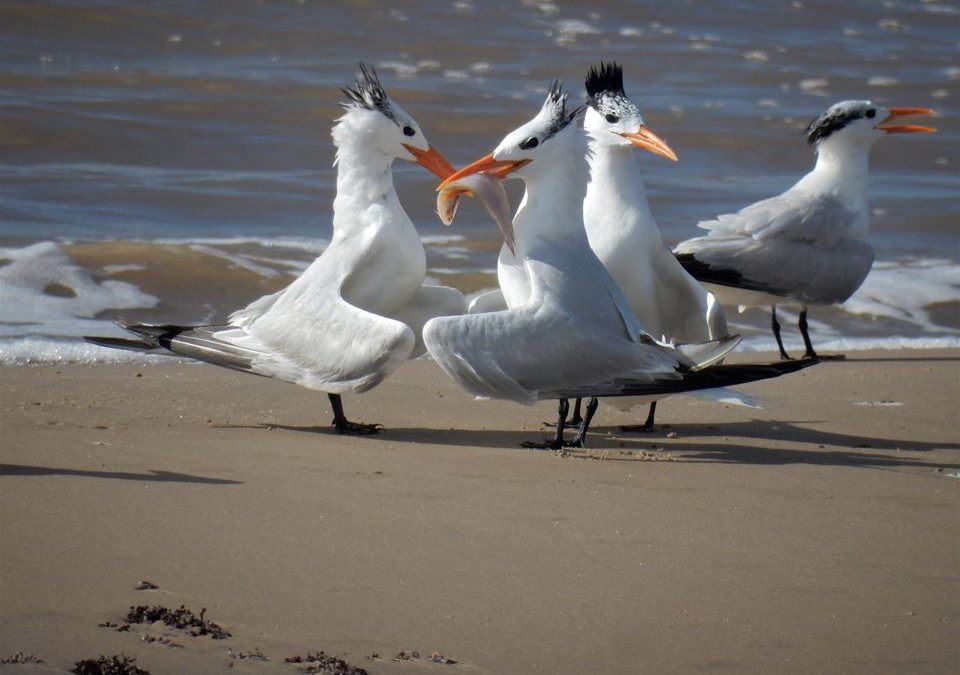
{"points": [[573, 335], [670, 304], [806, 246], [358, 311]]}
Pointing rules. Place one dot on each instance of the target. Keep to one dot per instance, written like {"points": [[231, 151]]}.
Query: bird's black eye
{"points": [[408, 131], [871, 113], [531, 142], [612, 119]]}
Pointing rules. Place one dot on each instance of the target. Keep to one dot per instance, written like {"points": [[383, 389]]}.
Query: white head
{"points": [[860, 124], [612, 119], [383, 125], [536, 140]]}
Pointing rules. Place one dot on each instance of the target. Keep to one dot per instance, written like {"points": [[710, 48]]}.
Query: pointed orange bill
{"points": [[487, 165], [431, 160], [896, 113], [646, 139]]}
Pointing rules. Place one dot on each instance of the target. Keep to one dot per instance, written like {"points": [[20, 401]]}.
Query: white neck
{"points": [[616, 198], [842, 171], [364, 175], [552, 207]]}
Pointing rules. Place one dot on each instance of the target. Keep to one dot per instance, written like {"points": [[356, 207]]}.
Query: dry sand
{"points": [[819, 535]]}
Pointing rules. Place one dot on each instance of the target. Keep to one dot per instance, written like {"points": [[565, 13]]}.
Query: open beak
{"points": [[486, 165], [646, 139], [431, 160], [896, 113]]}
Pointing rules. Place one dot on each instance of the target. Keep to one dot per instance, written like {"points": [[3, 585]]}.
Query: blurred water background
{"points": [[171, 161]]}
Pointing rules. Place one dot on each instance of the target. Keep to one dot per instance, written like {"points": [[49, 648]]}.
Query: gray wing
{"points": [[783, 247]]}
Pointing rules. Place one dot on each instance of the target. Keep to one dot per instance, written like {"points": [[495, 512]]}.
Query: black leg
{"points": [[576, 420], [580, 440], [557, 441], [345, 426], [573, 421], [646, 426], [802, 323], [811, 354], [775, 325]]}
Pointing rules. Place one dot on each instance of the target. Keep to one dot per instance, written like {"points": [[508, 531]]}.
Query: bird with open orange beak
{"points": [[621, 229], [356, 313], [808, 245], [567, 331]]}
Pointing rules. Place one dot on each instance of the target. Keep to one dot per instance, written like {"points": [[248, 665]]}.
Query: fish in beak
{"points": [[896, 113], [487, 165], [646, 139], [489, 189]]}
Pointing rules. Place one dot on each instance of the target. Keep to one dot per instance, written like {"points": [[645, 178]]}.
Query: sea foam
{"points": [[44, 292]]}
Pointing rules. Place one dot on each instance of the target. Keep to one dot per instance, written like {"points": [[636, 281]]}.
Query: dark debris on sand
{"points": [[146, 585], [435, 657], [20, 658], [256, 655], [109, 665], [181, 618], [324, 664]]}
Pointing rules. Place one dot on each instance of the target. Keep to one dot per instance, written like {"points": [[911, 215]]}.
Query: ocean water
{"points": [[171, 161]]}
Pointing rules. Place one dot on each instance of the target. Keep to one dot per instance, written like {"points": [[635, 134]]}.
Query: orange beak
{"points": [[896, 113], [431, 160], [646, 139], [488, 165]]}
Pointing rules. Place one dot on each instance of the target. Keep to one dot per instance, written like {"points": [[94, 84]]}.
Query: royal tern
{"points": [[357, 312], [574, 334], [806, 246], [670, 304], [621, 229]]}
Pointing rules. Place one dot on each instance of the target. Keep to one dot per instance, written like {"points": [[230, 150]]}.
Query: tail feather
{"points": [[704, 354], [197, 342], [692, 380], [121, 343]]}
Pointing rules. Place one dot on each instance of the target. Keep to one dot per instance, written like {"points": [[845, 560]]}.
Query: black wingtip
{"points": [[121, 343], [707, 274]]}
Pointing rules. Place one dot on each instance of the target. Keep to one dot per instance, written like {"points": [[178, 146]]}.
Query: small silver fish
{"points": [[490, 192]]}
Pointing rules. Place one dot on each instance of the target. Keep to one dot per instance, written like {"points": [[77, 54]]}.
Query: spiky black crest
{"points": [[604, 86], [556, 104], [367, 92], [836, 117], [607, 78]]}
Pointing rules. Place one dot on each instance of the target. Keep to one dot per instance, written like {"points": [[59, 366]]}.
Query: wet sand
{"points": [[819, 534]]}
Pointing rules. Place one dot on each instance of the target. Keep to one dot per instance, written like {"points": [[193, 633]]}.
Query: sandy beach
{"points": [[818, 535]]}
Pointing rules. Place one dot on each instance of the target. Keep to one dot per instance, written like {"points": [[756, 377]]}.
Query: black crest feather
{"points": [[836, 117], [607, 78], [557, 102], [367, 92]]}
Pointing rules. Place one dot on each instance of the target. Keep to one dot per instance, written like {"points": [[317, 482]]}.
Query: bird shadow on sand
{"points": [[608, 443], [740, 453], [484, 438], [778, 430], [152, 475], [902, 359]]}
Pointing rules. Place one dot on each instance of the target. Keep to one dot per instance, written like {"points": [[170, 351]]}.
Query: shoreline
{"points": [[816, 535]]}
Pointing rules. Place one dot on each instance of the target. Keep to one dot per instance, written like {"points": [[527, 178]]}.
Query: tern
{"points": [[357, 312], [806, 246], [670, 304], [574, 334]]}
